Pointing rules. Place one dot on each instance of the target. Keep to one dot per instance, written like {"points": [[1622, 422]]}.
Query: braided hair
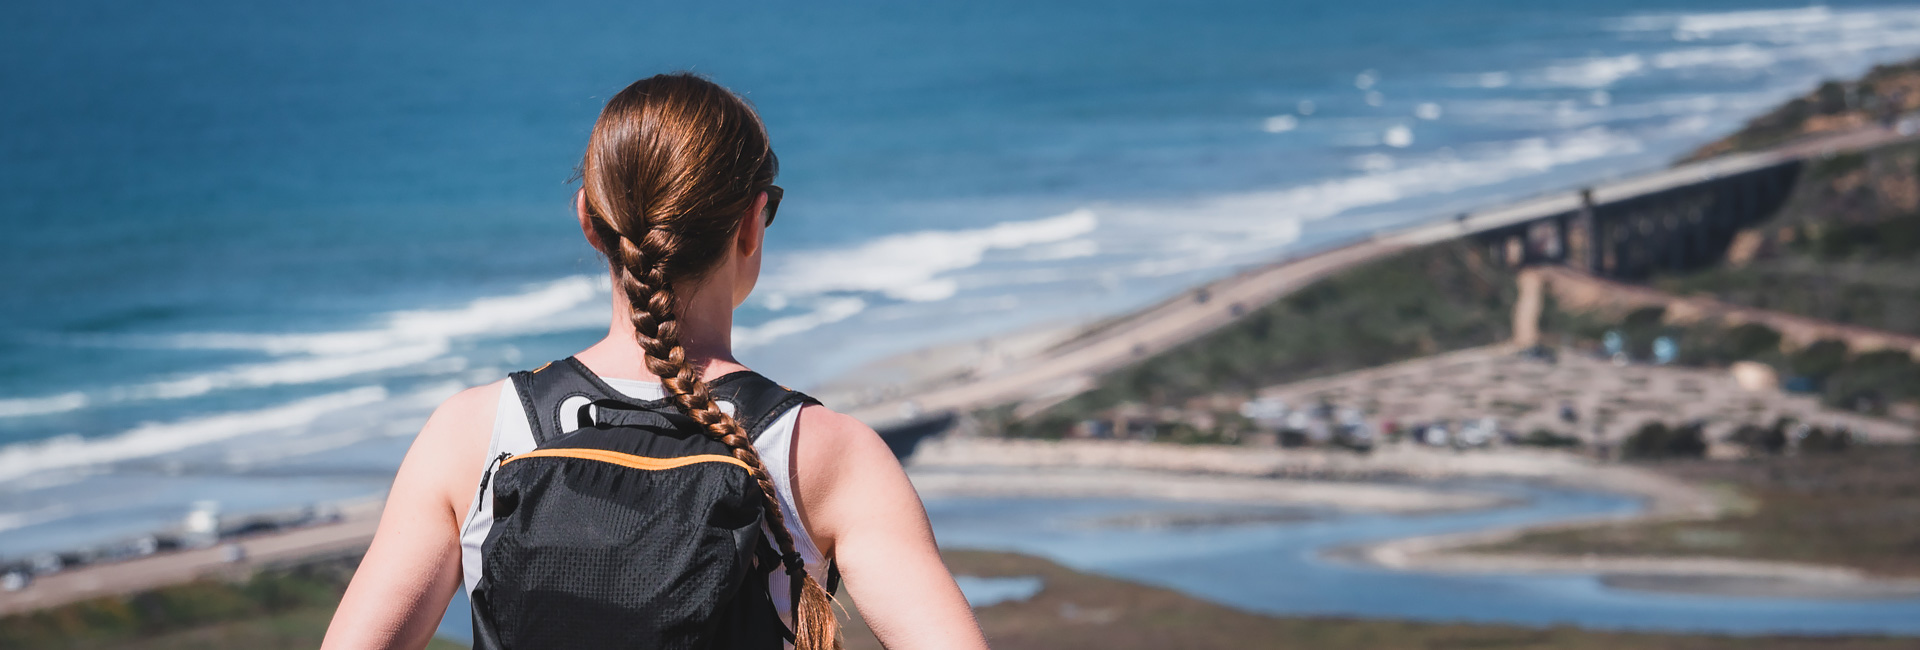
{"points": [[673, 162]]}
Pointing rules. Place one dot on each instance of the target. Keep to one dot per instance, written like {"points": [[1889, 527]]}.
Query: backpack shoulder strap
{"points": [[757, 400], [543, 389]]}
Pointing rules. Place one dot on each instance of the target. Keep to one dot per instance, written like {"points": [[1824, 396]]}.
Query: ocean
{"points": [[250, 245]]}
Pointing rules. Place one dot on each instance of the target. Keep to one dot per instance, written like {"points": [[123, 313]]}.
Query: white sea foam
{"points": [[12, 520], [1399, 136], [496, 315], [1595, 72], [24, 406], [1493, 164], [1066, 250], [1742, 55], [1230, 229], [1600, 108], [159, 438], [1830, 41], [831, 310], [1822, 27], [408, 409], [294, 371], [404, 339], [1703, 25], [914, 266]]}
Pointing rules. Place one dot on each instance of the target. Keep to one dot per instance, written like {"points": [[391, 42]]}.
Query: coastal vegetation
{"points": [[1872, 382], [1858, 506], [1434, 299], [1845, 247]]}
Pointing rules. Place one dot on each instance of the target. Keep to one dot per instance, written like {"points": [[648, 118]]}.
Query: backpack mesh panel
{"points": [[591, 554]]}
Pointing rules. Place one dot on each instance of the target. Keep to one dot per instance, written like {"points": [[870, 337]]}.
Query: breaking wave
{"points": [[68, 452]]}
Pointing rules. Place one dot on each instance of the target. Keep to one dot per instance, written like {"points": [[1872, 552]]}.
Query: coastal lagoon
{"points": [[1283, 568]]}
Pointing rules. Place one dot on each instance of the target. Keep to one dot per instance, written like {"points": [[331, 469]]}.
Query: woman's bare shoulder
{"points": [[835, 451], [452, 445], [466, 412], [831, 432]]}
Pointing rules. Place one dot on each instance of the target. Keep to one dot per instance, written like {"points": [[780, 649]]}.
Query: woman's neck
{"points": [[706, 332]]}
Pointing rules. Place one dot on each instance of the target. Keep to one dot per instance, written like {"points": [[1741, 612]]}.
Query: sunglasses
{"points": [[773, 202]]}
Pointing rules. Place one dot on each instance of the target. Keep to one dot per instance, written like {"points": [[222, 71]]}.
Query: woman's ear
{"points": [[586, 222], [753, 228]]}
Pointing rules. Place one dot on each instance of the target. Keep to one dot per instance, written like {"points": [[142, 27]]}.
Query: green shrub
{"points": [[1549, 439], [1819, 360], [1655, 440], [1762, 440], [1435, 299], [1749, 341]]}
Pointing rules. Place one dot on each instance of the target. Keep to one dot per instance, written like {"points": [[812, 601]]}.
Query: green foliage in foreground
{"points": [[285, 608], [1436, 299]]}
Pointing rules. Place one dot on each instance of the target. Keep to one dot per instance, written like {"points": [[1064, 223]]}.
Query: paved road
{"points": [[1072, 368], [348, 536]]}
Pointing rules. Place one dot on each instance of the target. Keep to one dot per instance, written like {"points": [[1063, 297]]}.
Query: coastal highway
{"points": [[1072, 367], [348, 536]]}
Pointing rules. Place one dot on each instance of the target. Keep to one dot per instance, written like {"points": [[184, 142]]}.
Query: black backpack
{"points": [[636, 529]]}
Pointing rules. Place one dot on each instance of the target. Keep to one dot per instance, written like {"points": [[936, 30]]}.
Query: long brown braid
{"points": [[674, 162]]}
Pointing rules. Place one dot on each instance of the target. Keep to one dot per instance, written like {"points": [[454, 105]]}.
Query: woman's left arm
{"points": [[860, 509], [401, 589]]}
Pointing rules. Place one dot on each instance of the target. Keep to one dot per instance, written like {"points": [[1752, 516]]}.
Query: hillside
{"points": [[1882, 96]]}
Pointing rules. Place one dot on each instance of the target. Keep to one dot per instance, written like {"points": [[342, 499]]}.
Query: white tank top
{"points": [[513, 435]]}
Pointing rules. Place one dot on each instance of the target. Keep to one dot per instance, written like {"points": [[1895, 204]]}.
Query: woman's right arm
{"points": [[857, 504], [401, 589]]}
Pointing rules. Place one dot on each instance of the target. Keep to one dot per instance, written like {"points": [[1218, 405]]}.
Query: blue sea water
{"points": [[248, 246]]}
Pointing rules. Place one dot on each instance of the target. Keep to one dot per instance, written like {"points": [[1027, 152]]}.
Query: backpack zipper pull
{"points": [[486, 478]]}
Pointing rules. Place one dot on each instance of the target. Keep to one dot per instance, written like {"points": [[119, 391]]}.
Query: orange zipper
{"points": [[628, 460]]}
